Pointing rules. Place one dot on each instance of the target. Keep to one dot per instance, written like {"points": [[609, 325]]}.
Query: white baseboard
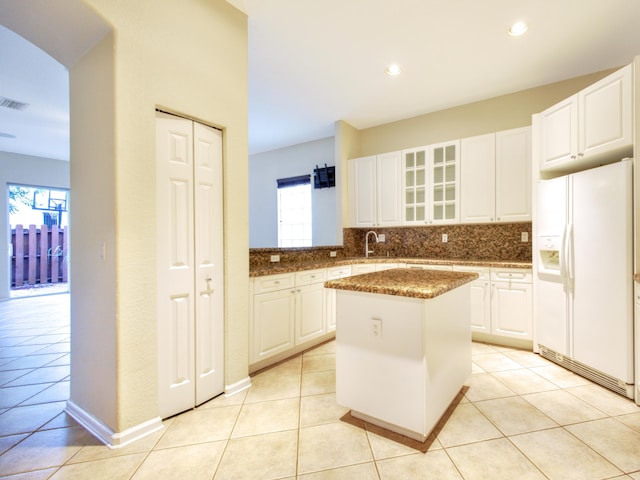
{"points": [[105, 434], [235, 388]]}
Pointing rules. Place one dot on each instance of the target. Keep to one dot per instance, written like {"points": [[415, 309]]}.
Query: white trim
{"points": [[107, 436], [235, 388]]}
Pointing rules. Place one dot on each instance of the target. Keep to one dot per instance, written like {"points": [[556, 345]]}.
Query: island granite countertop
{"points": [[405, 282], [288, 267]]}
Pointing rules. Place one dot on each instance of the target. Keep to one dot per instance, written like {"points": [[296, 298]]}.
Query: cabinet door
{"points": [[310, 312], [362, 191], [481, 306], [415, 183], [273, 323], [605, 110], [477, 179], [511, 309], [559, 133], [388, 182], [480, 298], [445, 182], [513, 175], [330, 294]]}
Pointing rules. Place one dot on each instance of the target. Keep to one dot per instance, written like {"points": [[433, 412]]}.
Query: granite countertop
{"points": [[277, 267], [404, 282]]}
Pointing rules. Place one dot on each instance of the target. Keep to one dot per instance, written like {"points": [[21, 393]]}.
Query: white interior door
{"points": [[189, 266], [209, 262]]}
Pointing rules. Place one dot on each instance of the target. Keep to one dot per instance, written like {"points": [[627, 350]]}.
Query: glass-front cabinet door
{"points": [[415, 186], [445, 181]]}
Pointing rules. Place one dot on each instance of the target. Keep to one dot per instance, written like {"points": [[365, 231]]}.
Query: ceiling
{"points": [[312, 63]]}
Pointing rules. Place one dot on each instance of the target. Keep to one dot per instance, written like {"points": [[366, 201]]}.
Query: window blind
{"points": [[294, 181]]}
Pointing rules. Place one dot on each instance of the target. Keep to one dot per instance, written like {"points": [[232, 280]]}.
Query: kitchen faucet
{"points": [[366, 243]]}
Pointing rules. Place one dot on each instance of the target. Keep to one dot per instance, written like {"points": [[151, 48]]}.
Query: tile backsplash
{"points": [[494, 241]]}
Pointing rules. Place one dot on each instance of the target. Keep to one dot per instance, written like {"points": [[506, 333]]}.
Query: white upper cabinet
{"points": [[478, 179], [591, 127], [415, 186], [513, 175], [495, 177], [388, 189], [374, 190], [362, 191], [445, 182]]}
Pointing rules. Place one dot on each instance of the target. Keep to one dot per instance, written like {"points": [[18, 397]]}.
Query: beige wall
{"points": [[188, 57], [94, 342], [347, 145], [492, 115]]}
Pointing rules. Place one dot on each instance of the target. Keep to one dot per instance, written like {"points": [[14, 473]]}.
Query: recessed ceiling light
{"points": [[517, 29], [393, 70]]}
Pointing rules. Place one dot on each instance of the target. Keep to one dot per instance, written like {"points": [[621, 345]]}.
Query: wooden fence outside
{"points": [[39, 255]]}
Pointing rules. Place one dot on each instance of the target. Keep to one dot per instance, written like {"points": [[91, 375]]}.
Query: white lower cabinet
{"points": [[512, 304], [501, 302], [310, 315], [273, 315], [480, 298], [287, 310], [332, 274], [291, 311]]}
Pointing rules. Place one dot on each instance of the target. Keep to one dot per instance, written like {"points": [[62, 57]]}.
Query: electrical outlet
{"points": [[445, 238], [376, 327], [275, 258], [382, 238], [333, 253], [524, 237]]}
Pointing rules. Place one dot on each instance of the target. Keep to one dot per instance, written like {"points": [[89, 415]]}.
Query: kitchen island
{"points": [[403, 346]]}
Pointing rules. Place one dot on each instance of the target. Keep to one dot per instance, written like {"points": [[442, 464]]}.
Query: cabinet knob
{"points": [[581, 154], [573, 157]]}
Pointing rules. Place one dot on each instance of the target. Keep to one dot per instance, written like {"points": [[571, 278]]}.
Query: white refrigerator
{"points": [[584, 281]]}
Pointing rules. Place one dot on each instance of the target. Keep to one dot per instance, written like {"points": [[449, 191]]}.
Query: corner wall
{"points": [[187, 57]]}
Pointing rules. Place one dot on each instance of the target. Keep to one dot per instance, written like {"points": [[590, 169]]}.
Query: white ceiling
{"points": [[314, 62]]}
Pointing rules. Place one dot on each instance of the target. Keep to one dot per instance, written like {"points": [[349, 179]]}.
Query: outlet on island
{"points": [[376, 328], [275, 258], [445, 238]]}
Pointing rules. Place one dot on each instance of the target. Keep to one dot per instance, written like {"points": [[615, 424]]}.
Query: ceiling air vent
{"points": [[13, 104]]}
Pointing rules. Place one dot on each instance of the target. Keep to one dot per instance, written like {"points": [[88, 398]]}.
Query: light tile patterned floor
{"points": [[522, 417]]}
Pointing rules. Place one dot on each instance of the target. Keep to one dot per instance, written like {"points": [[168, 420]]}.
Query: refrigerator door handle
{"points": [[570, 259], [563, 258]]}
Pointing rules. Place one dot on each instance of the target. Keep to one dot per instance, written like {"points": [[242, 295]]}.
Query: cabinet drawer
{"points": [[309, 277], [512, 275], [360, 268], [338, 272], [426, 266], [483, 272], [271, 283]]}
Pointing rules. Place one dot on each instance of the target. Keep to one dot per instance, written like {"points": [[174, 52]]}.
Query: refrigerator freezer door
{"points": [[602, 268], [551, 299]]}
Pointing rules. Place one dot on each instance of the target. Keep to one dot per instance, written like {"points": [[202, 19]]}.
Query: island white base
{"points": [[401, 361]]}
